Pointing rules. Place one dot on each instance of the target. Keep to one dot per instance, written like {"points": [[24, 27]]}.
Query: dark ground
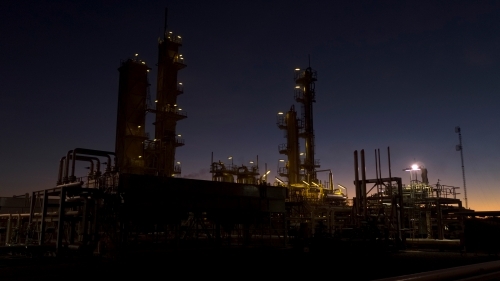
{"points": [[237, 263]]}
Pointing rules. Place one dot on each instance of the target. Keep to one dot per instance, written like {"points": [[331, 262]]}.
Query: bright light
{"points": [[280, 113], [180, 109], [230, 157], [178, 163], [180, 83], [156, 100], [297, 87], [140, 156], [297, 69], [139, 126], [415, 167], [154, 140], [136, 55], [143, 62], [251, 162], [305, 183], [179, 135], [267, 173], [302, 153], [281, 160]]}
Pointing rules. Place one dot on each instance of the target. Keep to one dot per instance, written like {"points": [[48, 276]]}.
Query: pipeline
{"points": [[88, 152]]}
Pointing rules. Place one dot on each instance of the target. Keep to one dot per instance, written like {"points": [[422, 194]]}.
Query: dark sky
{"points": [[398, 74]]}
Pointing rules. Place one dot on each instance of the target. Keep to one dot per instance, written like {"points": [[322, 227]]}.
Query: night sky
{"points": [[398, 74]]}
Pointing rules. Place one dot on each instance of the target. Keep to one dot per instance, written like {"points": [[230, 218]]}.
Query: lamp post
{"points": [[414, 167], [459, 148]]}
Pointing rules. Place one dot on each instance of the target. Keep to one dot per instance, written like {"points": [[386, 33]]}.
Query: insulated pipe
{"points": [[59, 175], [88, 152], [78, 157], [91, 152]]}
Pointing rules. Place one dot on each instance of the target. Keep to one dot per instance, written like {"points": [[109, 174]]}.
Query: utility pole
{"points": [[460, 148]]}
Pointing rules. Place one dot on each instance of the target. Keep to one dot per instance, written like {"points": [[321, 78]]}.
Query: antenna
{"points": [[460, 148]]}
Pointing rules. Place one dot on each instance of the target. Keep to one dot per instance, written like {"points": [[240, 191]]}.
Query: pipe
{"points": [[59, 175], [389, 162], [92, 152], [356, 182], [363, 181], [78, 157], [88, 152]]}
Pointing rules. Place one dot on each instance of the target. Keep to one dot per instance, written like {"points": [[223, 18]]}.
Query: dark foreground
{"points": [[237, 263]]}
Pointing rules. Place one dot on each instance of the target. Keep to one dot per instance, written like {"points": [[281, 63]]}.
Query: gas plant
{"points": [[133, 196]]}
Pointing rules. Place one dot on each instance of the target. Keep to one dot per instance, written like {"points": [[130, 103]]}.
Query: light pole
{"points": [[415, 168], [460, 148]]}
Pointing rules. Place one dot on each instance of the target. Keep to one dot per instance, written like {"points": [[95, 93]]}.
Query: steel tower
{"points": [[170, 61], [305, 94], [131, 115], [291, 149]]}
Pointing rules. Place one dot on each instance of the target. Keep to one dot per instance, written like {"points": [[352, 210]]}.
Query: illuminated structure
{"points": [[136, 153], [170, 61], [136, 198], [131, 117], [297, 171]]}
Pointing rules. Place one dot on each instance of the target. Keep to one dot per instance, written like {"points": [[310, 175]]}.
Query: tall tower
{"points": [[291, 125], [305, 94], [131, 115], [170, 61]]}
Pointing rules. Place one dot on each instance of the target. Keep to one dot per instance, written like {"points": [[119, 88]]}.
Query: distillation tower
{"points": [[136, 153], [300, 167], [170, 61]]}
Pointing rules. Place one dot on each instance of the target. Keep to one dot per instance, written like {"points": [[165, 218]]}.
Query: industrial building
{"points": [[133, 196]]}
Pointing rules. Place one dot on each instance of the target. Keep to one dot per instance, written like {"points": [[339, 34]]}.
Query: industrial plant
{"points": [[134, 196]]}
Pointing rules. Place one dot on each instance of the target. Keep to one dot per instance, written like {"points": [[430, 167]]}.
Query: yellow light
{"points": [[154, 140], [156, 100], [297, 69], [297, 87], [251, 162], [170, 32], [180, 83], [180, 109], [281, 160], [175, 104], [143, 62], [178, 163], [136, 55], [140, 156], [179, 135], [147, 70], [280, 113], [139, 126]]}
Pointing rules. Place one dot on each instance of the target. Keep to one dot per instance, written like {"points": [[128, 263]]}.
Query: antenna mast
{"points": [[460, 148]]}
